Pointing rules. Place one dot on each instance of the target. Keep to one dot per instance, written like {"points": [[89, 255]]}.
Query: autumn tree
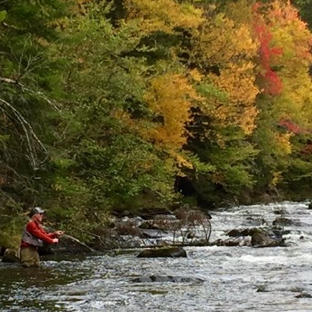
{"points": [[222, 64], [287, 60]]}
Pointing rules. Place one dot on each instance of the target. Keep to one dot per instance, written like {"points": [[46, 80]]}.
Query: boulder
{"points": [[261, 238], [11, 255], [170, 252], [242, 232], [284, 222]]}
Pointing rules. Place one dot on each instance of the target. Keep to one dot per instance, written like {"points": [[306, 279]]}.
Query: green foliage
{"points": [[12, 223], [304, 7], [2, 15]]}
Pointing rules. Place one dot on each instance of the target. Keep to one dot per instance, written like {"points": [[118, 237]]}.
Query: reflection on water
{"points": [[237, 279]]}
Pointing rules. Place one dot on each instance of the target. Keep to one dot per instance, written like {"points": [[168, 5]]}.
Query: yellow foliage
{"points": [[196, 75], [229, 46], [240, 11], [283, 142], [276, 178], [182, 162], [222, 40], [124, 117], [169, 98], [239, 83], [162, 15]]}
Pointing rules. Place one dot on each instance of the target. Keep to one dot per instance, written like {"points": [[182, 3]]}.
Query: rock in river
{"points": [[171, 252], [166, 279]]}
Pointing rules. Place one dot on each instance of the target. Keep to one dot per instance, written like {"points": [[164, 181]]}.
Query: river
{"points": [[236, 279]]}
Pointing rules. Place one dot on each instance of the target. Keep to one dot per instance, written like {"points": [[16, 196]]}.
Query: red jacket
{"points": [[36, 230]]}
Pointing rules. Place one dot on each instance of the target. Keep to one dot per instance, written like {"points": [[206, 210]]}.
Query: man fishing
{"points": [[33, 237]]}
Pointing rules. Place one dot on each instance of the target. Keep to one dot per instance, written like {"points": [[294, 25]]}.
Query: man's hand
{"points": [[55, 240], [59, 233]]}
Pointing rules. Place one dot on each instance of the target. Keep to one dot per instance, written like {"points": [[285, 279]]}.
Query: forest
{"points": [[115, 105]]}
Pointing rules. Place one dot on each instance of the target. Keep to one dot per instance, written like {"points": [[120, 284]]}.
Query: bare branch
{"points": [[40, 94], [29, 133]]}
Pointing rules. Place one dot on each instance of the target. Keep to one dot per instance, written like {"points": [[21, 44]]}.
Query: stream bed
{"points": [[225, 279]]}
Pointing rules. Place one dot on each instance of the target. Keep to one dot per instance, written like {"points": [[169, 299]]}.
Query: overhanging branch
{"points": [[29, 133]]}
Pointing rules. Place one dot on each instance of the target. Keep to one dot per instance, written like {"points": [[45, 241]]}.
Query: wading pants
{"points": [[29, 257]]}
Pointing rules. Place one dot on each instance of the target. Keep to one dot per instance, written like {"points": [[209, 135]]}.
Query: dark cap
{"points": [[36, 210]]}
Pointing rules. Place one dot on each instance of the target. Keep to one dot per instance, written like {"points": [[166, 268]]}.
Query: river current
{"points": [[236, 279]]}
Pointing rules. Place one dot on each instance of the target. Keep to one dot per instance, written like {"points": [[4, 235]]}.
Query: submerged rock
{"points": [[232, 242], [164, 279], [170, 252], [304, 295]]}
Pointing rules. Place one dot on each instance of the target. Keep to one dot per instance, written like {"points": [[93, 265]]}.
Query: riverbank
{"points": [[183, 227]]}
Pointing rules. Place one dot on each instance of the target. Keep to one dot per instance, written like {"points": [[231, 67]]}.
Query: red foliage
{"points": [[307, 149], [272, 83], [292, 127]]}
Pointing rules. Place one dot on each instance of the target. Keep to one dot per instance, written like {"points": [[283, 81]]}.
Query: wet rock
{"points": [[150, 234], [262, 288], [190, 235], [261, 238], [232, 242], [229, 243], [278, 232], [149, 225], [127, 227], [166, 217], [166, 279], [67, 245], [242, 232], [11, 255], [256, 221], [278, 211], [170, 252], [283, 221], [304, 295], [218, 242]]}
